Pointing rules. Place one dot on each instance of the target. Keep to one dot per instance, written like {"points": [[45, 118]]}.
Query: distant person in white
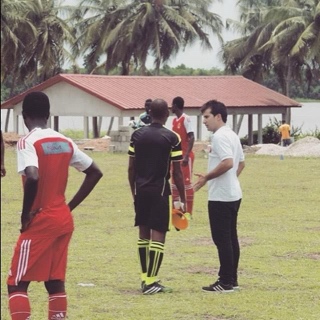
{"points": [[226, 161]]}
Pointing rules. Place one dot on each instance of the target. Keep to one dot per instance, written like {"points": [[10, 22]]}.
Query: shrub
{"points": [[315, 133], [270, 133]]}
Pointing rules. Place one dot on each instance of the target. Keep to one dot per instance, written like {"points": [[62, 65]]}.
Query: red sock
{"points": [[57, 306], [19, 306], [189, 196]]}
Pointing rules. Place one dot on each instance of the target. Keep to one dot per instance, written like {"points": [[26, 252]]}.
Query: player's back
{"points": [[51, 152], [153, 147]]}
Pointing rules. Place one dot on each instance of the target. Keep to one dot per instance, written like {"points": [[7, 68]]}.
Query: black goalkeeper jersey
{"points": [[154, 147]]}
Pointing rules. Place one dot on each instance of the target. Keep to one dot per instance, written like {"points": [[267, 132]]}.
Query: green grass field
{"points": [[279, 231]]}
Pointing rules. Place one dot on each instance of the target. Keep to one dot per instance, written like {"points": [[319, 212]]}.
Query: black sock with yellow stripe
{"points": [[156, 250], [143, 253]]}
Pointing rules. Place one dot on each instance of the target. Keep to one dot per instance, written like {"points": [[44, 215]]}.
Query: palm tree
{"points": [[286, 40], [294, 44], [46, 52], [96, 21], [13, 27], [129, 31], [12, 24], [33, 38], [242, 54]]}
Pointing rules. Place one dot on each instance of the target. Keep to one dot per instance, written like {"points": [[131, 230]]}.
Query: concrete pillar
{"points": [[260, 129], [49, 122], [56, 123], [15, 122], [199, 125], [234, 122], [250, 130], [86, 127], [239, 124]]}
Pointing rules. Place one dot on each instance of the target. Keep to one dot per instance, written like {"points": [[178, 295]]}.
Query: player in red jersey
{"points": [[44, 157], [183, 126]]}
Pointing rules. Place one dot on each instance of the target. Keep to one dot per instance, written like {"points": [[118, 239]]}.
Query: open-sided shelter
{"points": [[123, 96]]}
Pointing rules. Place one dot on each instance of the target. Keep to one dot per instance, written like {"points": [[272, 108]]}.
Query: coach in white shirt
{"points": [[226, 161]]}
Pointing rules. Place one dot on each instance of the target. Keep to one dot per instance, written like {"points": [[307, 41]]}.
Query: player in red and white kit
{"points": [[44, 157], [183, 126]]}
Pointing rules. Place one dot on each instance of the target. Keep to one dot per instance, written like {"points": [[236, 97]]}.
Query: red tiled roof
{"points": [[130, 92]]}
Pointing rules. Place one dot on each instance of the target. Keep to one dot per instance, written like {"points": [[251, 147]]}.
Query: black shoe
{"points": [[155, 288], [142, 284], [218, 287]]}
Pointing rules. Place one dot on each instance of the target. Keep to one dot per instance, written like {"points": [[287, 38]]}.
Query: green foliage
{"points": [[298, 89], [314, 133], [79, 134], [183, 70], [278, 36], [4, 93], [278, 244]]}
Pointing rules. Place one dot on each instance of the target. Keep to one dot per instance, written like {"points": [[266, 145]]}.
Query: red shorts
{"points": [[39, 259]]}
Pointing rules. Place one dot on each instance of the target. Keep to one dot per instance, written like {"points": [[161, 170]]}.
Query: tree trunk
{"points": [[125, 68], [14, 77], [287, 88]]}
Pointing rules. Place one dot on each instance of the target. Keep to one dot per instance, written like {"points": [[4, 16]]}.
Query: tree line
{"points": [[279, 39]]}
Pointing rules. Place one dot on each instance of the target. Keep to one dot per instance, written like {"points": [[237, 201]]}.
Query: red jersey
{"points": [[52, 153], [183, 126]]}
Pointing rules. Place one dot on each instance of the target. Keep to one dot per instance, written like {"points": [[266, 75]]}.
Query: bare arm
{"points": [[93, 175], [29, 195], [131, 174], [220, 169], [240, 168], [190, 146], [178, 179]]}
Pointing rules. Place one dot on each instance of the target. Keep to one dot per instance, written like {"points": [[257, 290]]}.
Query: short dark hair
{"points": [[216, 107], [36, 105], [159, 109], [178, 102], [147, 102]]}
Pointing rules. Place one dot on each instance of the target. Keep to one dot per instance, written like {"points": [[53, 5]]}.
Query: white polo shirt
{"points": [[225, 144]]}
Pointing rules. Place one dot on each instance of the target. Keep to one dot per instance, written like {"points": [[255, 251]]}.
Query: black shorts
{"points": [[153, 211]]}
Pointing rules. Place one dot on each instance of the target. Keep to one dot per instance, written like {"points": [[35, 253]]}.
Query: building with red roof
{"points": [[123, 97]]}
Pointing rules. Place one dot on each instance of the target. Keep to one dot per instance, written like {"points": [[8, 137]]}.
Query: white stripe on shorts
{"points": [[23, 260]]}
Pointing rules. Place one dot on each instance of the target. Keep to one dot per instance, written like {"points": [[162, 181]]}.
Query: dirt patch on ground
{"points": [[100, 144], [202, 270], [314, 256], [10, 138]]}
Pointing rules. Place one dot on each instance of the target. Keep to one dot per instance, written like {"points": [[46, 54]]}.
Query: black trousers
{"points": [[223, 223]]}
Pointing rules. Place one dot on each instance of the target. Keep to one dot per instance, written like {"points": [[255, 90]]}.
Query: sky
{"points": [[195, 56]]}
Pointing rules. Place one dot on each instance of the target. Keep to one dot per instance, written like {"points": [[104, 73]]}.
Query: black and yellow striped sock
{"points": [[156, 250], [143, 253]]}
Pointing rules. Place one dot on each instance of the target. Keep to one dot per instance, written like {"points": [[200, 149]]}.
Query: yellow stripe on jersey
{"points": [[176, 153]]}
